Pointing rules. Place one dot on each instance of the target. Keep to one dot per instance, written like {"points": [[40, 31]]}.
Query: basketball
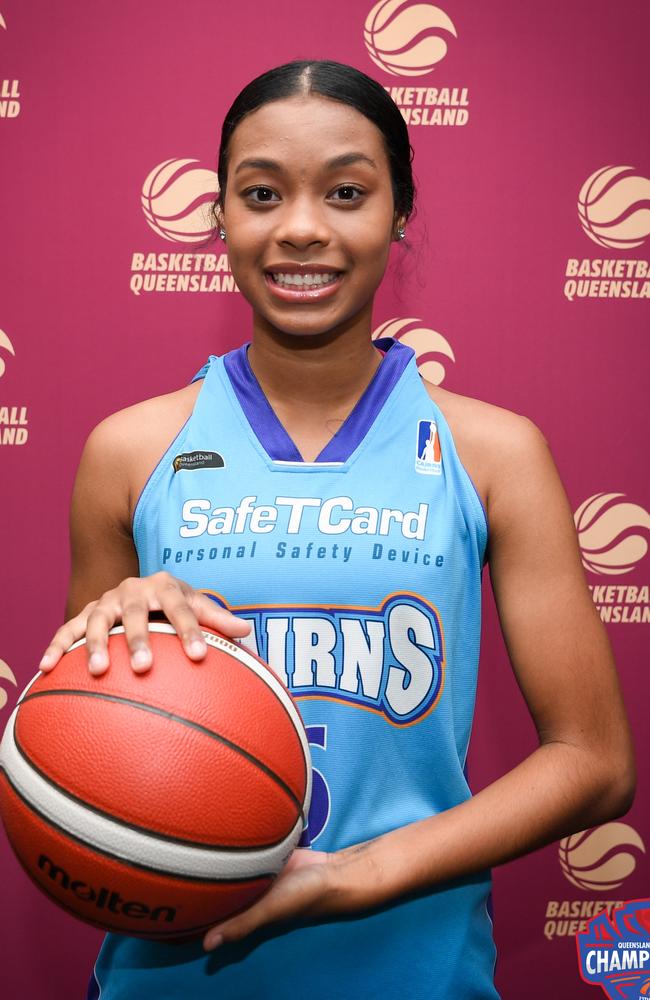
{"points": [[155, 804]]}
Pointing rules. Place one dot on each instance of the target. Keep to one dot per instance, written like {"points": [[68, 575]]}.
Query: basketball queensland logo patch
{"points": [[198, 460], [428, 457]]}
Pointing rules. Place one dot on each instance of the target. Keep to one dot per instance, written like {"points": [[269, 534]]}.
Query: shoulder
{"points": [[144, 422], [124, 448], [494, 444]]}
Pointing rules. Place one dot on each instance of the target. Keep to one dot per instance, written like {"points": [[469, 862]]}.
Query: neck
{"points": [[326, 372]]}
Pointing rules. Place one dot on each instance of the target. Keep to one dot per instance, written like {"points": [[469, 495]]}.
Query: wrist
{"points": [[356, 877]]}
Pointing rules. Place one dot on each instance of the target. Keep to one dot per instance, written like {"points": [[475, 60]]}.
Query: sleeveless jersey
{"points": [[361, 574]]}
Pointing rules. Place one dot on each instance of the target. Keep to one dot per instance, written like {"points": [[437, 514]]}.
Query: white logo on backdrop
{"points": [[613, 208], [5, 344], [609, 533], [428, 344], [600, 859], [403, 38], [176, 199]]}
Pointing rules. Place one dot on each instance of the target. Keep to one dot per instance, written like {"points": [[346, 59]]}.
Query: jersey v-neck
{"points": [[271, 434]]}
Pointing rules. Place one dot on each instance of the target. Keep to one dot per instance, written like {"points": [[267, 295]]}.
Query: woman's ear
{"points": [[399, 227], [217, 212]]}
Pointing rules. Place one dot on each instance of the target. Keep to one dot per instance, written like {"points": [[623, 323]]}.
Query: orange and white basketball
{"points": [[155, 804]]}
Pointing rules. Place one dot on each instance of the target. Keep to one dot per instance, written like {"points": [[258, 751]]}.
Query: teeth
{"points": [[304, 280]]}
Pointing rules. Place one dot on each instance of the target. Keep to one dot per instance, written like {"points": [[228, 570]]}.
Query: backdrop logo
{"points": [[612, 206], [9, 91], [6, 674], [608, 532], [403, 37], [408, 39], [5, 345], [612, 533], [176, 199], [613, 213], [9, 98], [428, 345], [13, 419], [600, 859]]}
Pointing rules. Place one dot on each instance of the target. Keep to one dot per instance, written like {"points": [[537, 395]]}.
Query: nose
{"points": [[302, 223]]}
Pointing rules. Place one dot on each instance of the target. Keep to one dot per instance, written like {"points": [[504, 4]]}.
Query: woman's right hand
{"points": [[131, 603]]}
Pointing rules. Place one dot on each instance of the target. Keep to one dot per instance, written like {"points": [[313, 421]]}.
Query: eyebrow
{"points": [[344, 160]]}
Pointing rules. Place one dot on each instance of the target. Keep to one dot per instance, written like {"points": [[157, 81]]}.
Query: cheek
{"points": [[372, 242], [244, 245]]}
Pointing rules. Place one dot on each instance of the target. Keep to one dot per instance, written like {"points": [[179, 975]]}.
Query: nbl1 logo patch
{"points": [[428, 457]]}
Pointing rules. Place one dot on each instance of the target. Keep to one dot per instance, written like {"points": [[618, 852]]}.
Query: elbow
{"points": [[617, 784], [622, 793]]}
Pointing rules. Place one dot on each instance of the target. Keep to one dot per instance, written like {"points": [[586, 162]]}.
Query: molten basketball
{"points": [[155, 804]]}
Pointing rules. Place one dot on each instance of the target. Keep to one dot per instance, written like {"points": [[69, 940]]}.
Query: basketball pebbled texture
{"points": [[182, 790]]}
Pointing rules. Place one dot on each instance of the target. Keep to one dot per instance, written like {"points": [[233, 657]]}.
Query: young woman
{"points": [[355, 548]]}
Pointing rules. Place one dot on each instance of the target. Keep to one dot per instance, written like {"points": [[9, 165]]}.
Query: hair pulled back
{"points": [[339, 82]]}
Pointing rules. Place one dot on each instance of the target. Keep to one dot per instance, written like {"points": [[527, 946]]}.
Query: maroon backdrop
{"points": [[523, 282]]}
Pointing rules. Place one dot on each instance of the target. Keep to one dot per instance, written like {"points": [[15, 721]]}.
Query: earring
{"points": [[222, 235], [401, 235]]}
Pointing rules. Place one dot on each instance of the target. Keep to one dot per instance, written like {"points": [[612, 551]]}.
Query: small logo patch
{"points": [[428, 459], [198, 460]]}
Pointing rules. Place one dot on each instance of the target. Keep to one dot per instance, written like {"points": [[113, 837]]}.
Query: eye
{"points": [[347, 192], [260, 195]]}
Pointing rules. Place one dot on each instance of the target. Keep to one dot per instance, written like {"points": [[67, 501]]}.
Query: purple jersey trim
{"points": [[258, 411], [94, 989], [271, 434]]}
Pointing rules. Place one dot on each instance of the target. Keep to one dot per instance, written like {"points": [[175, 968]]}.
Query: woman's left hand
{"points": [[304, 887]]}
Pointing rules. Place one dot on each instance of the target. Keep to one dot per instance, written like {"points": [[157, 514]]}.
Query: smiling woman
{"points": [[342, 535], [299, 214]]}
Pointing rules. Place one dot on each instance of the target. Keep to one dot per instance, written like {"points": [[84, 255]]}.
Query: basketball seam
{"points": [[178, 933], [102, 696], [127, 861], [246, 658], [270, 680], [185, 842]]}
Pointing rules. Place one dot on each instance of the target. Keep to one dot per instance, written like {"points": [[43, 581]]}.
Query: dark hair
{"points": [[338, 82]]}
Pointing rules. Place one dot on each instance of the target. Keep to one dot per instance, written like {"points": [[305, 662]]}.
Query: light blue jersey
{"points": [[361, 574]]}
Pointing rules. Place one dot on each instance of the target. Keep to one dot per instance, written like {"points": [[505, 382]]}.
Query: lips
{"points": [[303, 283]]}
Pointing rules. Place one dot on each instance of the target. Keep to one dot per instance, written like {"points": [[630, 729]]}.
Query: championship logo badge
{"points": [[614, 953]]}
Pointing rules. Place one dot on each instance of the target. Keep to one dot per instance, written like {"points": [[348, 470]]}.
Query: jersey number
{"points": [[319, 810]]}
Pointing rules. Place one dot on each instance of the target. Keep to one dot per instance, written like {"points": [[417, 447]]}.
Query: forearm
{"points": [[558, 789]]}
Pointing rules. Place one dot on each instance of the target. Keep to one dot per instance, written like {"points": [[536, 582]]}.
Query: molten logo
{"points": [[103, 898], [426, 343], [612, 207], [402, 37], [8, 346], [176, 197], [608, 533], [7, 673], [599, 859]]}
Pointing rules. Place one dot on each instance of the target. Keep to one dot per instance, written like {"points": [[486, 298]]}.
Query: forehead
{"points": [[308, 128]]}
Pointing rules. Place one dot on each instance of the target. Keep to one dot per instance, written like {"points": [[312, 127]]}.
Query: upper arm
{"points": [[117, 461], [557, 644], [102, 548]]}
